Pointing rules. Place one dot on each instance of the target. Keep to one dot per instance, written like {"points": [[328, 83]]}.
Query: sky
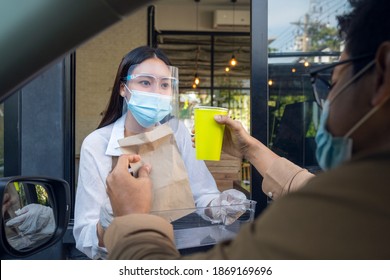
{"points": [[281, 13]]}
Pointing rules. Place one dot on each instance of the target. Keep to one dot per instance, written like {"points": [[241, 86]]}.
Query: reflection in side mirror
{"points": [[35, 214], [27, 214]]}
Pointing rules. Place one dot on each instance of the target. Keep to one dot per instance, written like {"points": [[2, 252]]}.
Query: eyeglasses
{"points": [[321, 82], [149, 82]]}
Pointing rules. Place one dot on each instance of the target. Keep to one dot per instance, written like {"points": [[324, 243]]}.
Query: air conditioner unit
{"points": [[224, 18]]}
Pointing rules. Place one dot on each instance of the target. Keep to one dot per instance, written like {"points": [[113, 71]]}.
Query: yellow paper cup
{"points": [[208, 133]]}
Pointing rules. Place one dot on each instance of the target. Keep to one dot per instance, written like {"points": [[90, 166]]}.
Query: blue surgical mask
{"points": [[148, 108], [331, 151]]}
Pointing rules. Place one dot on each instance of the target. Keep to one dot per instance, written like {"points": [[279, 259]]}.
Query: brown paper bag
{"points": [[172, 196]]}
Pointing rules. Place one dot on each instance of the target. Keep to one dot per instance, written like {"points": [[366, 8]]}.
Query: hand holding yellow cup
{"points": [[209, 133]]}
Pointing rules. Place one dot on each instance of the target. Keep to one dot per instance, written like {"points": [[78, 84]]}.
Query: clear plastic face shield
{"points": [[152, 94]]}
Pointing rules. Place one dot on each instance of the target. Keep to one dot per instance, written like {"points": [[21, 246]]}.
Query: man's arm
{"points": [[140, 236]]}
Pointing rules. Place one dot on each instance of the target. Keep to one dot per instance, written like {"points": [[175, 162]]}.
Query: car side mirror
{"points": [[35, 214]]}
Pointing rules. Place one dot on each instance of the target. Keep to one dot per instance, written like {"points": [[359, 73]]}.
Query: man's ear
{"points": [[382, 85]]}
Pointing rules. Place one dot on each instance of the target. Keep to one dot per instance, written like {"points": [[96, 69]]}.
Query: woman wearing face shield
{"points": [[143, 96]]}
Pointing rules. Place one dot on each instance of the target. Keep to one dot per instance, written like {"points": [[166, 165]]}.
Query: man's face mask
{"points": [[332, 151], [148, 108]]}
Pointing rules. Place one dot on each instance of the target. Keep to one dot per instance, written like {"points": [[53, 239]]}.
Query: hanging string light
{"points": [[196, 77], [233, 61], [196, 80]]}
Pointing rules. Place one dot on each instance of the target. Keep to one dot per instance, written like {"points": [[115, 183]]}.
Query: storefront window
{"points": [[207, 57], [301, 39]]}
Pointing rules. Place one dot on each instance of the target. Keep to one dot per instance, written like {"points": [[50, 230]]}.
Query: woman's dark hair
{"points": [[365, 28], [136, 56]]}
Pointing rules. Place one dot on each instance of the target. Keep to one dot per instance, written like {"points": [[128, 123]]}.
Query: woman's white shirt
{"points": [[96, 154]]}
